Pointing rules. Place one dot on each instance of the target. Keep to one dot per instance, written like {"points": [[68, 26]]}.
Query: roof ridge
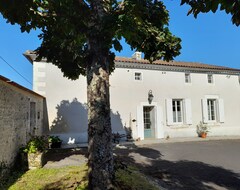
{"points": [[176, 63], [31, 56]]}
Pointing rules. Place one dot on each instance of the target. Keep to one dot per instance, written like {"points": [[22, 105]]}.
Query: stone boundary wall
{"points": [[17, 122]]}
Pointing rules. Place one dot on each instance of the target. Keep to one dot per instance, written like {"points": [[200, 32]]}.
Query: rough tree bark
{"points": [[100, 159]]}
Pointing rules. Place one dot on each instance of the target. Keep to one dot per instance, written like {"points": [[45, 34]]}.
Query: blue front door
{"points": [[148, 117]]}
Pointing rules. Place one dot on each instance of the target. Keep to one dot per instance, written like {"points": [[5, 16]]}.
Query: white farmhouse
{"points": [[154, 100]]}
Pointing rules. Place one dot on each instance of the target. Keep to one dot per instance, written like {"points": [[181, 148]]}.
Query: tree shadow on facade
{"points": [[180, 175], [71, 121], [71, 117], [116, 122]]}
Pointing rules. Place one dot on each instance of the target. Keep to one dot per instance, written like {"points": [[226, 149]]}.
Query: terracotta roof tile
{"points": [[175, 63], [30, 55]]}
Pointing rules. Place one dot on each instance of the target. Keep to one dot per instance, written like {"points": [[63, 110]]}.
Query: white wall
{"points": [[126, 95], [130, 93]]}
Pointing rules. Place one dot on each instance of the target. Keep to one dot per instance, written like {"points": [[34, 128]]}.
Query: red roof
{"points": [[176, 64], [31, 56]]}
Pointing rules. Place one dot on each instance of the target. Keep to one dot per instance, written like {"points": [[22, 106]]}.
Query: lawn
{"points": [[72, 177], [75, 178]]}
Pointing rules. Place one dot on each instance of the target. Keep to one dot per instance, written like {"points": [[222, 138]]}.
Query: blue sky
{"points": [[211, 39]]}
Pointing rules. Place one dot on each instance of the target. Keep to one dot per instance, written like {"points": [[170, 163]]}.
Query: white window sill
{"points": [[179, 126], [213, 123]]}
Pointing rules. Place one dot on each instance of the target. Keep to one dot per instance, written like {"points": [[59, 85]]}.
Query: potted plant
{"points": [[54, 142], [202, 130], [35, 150]]}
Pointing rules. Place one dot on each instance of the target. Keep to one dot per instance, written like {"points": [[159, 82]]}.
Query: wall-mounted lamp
{"points": [[150, 96]]}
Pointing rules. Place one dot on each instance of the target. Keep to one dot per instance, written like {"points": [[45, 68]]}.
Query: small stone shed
{"points": [[22, 114]]}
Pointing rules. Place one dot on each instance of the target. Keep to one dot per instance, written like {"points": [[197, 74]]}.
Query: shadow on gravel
{"points": [[180, 175], [55, 155]]}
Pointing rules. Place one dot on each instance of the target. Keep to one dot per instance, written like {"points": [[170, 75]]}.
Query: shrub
{"points": [[36, 144], [202, 128]]}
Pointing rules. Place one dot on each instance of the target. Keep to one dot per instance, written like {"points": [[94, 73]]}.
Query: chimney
{"points": [[137, 55]]}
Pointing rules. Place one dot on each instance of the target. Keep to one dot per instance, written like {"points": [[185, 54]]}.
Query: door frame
{"points": [[152, 118], [158, 126]]}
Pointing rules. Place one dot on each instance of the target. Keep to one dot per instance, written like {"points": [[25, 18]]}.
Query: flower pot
{"points": [[35, 160], [203, 135]]}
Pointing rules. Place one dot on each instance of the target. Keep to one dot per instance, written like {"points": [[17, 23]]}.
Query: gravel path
{"points": [[65, 157]]}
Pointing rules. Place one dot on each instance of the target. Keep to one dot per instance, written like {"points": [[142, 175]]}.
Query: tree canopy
{"points": [[77, 36], [67, 26], [230, 6]]}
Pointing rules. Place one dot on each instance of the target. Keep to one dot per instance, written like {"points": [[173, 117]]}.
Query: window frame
{"points": [[146, 119], [188, 78], [136, 77], [210, 80], [175, 113], [219, 109], [186, 111], [212, 109]]}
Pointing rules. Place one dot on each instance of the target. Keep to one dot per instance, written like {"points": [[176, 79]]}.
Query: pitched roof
{"points": [[31, 56], [176, 64], [8, 81]]}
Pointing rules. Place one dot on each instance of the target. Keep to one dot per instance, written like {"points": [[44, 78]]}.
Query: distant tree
{"points": [[77, 36], [230, 6]]}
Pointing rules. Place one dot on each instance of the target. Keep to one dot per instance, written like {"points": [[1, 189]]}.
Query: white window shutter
{"points": [[221, 110], [159, 126], [169, 111], [188, 111], [204, 110], [140, 125]]}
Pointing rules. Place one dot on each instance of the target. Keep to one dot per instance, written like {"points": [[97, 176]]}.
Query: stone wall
{"points": [[17, 122]]}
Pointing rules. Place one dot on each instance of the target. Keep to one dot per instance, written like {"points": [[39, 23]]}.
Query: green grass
{"points": [[75, 177], [131, 179]]}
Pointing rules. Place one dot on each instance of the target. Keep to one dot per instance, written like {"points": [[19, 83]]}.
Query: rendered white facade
{"points": [[182, 98]]}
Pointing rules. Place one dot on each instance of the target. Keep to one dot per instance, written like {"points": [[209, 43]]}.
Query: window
{"points": [[138, 76], [177, 108], [187, 78], [179, 111], [210, 79], [211, 105], [146, 117], [213, 109]]}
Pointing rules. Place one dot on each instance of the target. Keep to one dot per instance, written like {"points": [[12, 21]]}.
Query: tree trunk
{"points": [[100, 159]]}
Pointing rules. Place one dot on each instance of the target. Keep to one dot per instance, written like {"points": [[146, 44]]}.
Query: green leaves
{"points": [[116, 44], [36, 144], [144, 26], [69, 26], [231, 7]]}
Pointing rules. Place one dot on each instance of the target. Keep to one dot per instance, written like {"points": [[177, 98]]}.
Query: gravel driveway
{"points": [[189, 165], [206, 165]]}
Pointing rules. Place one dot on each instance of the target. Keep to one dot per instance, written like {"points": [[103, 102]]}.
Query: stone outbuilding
{"points": [[22, 114]]}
